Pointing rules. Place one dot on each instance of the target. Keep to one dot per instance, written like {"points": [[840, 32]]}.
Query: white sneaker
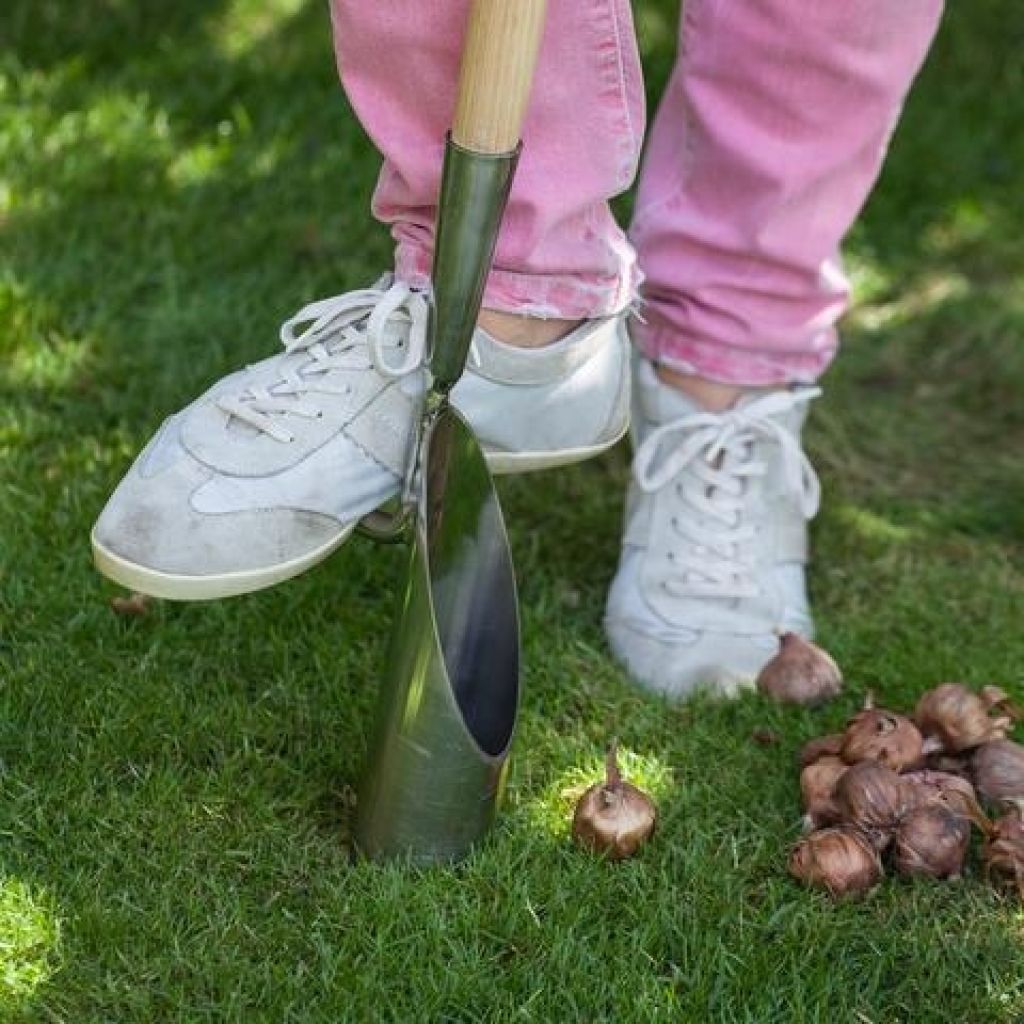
{"points": [[715, 540], [545, 407], [270, 470]]}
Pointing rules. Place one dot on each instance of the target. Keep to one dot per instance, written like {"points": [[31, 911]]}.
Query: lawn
{"points": [[176, 792]]}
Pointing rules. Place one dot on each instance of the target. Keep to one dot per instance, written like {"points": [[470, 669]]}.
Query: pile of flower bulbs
{"points": [[903, 791]]}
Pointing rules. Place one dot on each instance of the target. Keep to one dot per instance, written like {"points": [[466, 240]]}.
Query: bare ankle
{"points": [[710, 394], [524, 331]]}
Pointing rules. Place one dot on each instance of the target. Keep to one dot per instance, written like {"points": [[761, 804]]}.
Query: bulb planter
{"points": [[448, 702], [435, 767], [446, 716]]}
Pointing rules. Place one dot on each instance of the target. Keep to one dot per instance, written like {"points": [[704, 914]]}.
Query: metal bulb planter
{"points": [[447, 709]]}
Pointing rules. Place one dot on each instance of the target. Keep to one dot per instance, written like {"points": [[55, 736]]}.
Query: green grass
{"points": [[175, 793]]}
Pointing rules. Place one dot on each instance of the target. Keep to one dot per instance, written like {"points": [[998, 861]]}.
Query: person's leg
{"points": [[770, 135], [561, 255], [268, 472]]}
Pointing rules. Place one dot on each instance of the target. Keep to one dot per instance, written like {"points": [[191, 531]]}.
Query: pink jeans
{"points": [[770, 135]]}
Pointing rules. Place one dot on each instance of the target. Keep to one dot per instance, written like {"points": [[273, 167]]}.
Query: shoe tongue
{"points": [[673, 403], [662, 403], [659, 403], [792, 418]]}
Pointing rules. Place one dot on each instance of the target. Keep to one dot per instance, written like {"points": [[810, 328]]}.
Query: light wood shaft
{"points": [[498, 58]]}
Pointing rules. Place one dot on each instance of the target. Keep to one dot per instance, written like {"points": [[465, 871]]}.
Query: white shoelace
{"points": [[344, 332], [708, 457]]}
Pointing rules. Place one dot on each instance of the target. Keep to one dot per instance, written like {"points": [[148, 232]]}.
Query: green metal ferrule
{"points": [[474, 193]]}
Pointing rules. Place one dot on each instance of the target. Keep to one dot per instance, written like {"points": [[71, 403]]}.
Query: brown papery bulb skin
{"points": [[925, 787], [932, 840], [822, 747], [875, 734], [801, 673], [996, 697], [840, 860], [817, 789], [949, 764], [870, 796], [1003, 852], [958, 719], [998, 769], [613, 817]]}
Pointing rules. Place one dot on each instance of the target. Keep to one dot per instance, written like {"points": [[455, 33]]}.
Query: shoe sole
{"points": [[502, 463], [174, 587], [177, 587]]}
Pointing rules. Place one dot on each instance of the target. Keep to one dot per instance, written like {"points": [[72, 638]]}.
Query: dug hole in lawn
{"points": [[901, 791]]}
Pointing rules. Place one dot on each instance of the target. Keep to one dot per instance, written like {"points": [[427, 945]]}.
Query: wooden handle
{"points": [[498, 59]]}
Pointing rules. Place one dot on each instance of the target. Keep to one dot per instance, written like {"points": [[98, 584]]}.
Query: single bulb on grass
{"points": [[614, 817], [801, 673]]}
